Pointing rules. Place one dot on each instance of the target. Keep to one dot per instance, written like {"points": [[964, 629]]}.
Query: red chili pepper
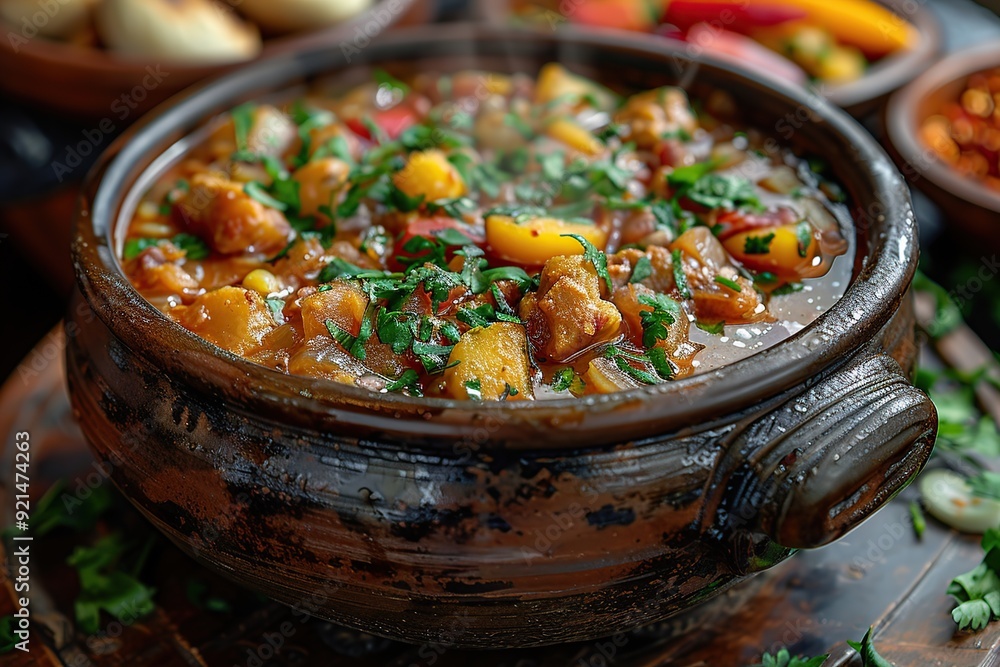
{"points": [[430, 228], [392, 121], [745, 18]]}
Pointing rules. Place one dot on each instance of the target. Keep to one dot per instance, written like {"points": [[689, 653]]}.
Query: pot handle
{"points": [[820, 464]]}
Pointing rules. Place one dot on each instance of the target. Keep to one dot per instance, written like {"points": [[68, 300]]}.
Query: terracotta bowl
{"points": [[966, 202], [861, 97], [93, 84], [502, 525]]}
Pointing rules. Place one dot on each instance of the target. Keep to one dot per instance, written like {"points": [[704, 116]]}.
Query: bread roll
{"points": [[296, 15], [190, 31]]}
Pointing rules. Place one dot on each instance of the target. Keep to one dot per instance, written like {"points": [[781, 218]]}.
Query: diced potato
{"points": [[571, 133], [783, 257], [233, 318], [496, 357], [344, 303], [555, 81], [318, 181], [325, 359], [429, 173], [656, 114], [567, 314], [534, 242]]}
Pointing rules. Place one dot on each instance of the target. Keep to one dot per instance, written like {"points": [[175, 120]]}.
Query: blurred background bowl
{"points": [[969, 204], [85, 82]]}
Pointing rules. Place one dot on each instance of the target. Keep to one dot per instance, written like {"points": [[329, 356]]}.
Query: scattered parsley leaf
{"points": [[784, 659], [104, 587], [656, 322], [758, 245], [408, 380], [595, 257], [242, 122], [679, 276], [978, 591], [804, 234], [726, 282], [869, 656], [917, 517], [714, 328], [643, 269], [474, 389], [7, 638], [255, 190]]}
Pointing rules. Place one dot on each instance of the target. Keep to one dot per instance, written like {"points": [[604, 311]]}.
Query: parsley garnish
{"points": [[917, 516], [726, 282], [433, 357], [656, 322], [643, 269], [242, 122], [408, 380], [257, 191], [193, 246], [563, 379], [595, 257], [803, 232], [758, 245], [719, 191], [474, 389], [383, 78], [714, 328], [679, 276]]}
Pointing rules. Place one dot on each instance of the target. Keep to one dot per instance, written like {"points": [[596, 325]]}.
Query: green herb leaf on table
{"points": [[7, 638], [784, 659], [978, 591], [104, 586], [869, 656]]}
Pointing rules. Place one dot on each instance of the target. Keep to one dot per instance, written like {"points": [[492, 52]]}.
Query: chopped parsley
{"points": [[409, 380], [679, 276], [656, 322], [595, 257], [727, 282], [643, 269], [758, 245], [474, 389]]}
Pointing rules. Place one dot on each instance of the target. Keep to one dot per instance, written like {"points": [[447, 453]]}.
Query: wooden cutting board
{"points": [[880, 575]]}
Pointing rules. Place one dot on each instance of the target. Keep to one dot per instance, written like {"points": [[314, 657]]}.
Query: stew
{"points": [[490, 237]]}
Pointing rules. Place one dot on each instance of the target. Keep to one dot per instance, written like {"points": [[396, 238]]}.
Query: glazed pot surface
{"points": [[496, 525]]}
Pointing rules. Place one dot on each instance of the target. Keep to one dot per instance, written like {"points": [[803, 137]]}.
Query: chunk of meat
{"points": [[490, 359], [319, 181], [234, 318], [655, 113], [621, 267], [219, 211], [156, 271], [567, 314]]}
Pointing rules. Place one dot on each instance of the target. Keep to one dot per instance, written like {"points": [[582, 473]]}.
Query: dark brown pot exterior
{"points": [[490, 526]]}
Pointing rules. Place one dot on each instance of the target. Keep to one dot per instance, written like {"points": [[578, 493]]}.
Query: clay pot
{"points": [[500, 525]]}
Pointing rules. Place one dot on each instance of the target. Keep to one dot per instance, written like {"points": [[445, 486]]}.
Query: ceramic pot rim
{"points": [[866, 306]]}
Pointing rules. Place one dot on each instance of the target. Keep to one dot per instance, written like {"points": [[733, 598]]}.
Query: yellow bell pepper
{"points": [[534, 242]]}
